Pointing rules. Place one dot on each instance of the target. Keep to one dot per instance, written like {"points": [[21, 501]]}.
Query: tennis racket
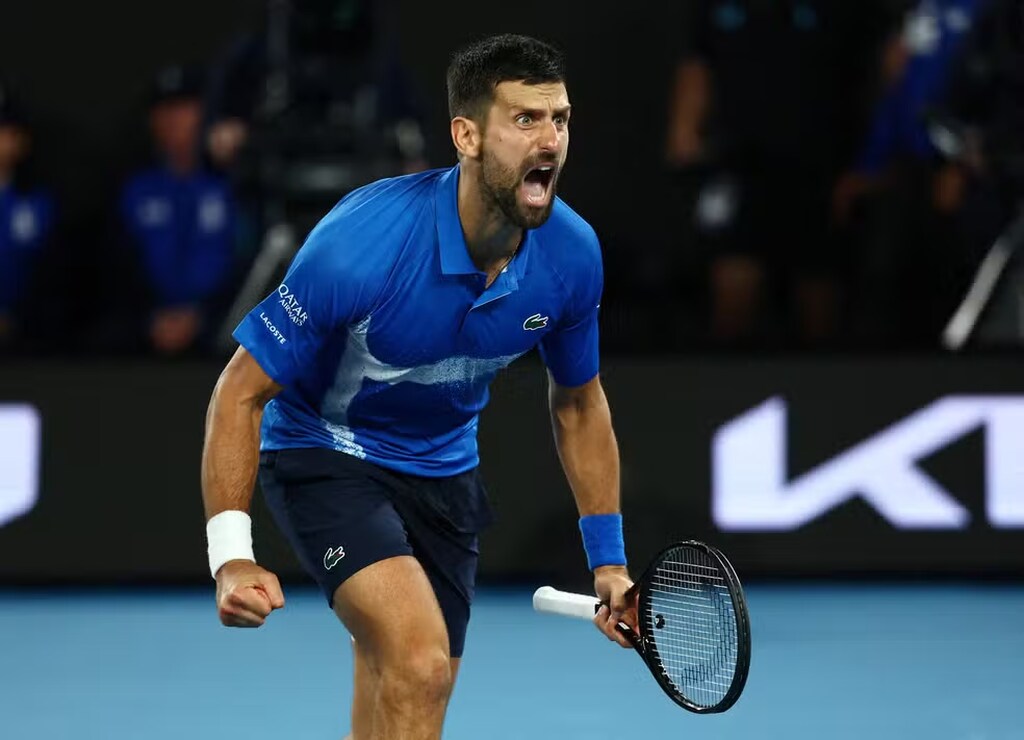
{"points": [[694, 628]]}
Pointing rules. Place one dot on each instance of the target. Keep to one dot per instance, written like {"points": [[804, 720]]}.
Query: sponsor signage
{"points": [[20, 429], [800, 467], [752, 490]]}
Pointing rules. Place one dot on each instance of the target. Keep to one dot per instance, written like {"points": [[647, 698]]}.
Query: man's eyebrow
{"points": [[518, 108]]}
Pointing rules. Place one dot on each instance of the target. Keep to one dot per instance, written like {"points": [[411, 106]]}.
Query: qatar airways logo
{"points": [[291, 306], [752, 490], [20, 429]]}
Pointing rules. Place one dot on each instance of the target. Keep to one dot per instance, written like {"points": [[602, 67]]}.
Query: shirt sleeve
{"points": [[328, 286], [571, 350]]}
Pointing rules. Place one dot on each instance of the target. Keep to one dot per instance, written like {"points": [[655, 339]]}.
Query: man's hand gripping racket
{"points": [[692, 625], [617, 595]]}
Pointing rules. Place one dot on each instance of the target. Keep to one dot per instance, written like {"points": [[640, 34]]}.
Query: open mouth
{"points": [[537, 184]]}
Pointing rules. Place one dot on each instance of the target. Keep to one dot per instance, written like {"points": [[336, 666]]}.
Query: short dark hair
{"points": [[478, 68]]}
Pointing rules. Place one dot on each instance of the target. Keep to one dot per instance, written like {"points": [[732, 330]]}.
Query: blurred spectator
{"points": [[179, 220], [26, 225], [767, 101], [909, 260]]}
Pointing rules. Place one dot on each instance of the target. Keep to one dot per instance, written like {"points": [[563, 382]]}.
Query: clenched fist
{"points": [[246, 594]]}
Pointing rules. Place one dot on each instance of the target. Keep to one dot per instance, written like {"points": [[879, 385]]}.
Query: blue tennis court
{"points": [[839, 662]]}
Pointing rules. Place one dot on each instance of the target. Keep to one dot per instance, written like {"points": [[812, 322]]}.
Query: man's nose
{"points": [[549, 137]]}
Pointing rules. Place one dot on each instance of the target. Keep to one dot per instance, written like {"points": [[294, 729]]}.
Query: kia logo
{"points": [[20, 442]]}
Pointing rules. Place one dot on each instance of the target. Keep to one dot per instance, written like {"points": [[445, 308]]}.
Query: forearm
{"points": [[588, 451], [231, 450]]}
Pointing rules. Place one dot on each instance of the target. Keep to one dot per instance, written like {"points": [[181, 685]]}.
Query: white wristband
{"points": [[229, 537]]}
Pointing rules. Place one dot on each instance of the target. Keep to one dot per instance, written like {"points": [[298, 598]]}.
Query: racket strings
{"points": [[691, 621]]}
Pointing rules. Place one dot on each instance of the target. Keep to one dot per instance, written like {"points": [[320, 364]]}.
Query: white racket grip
{"points": [[553, 601]]}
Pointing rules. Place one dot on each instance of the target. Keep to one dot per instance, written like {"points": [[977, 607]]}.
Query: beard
{"points": [[500, 185]]}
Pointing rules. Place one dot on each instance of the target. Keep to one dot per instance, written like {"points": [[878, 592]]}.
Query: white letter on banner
{"points": [[20, 426], [750, 489], [1004, 462]]}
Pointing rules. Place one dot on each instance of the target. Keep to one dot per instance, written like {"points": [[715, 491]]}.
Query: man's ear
{"points": [[467, 136]]}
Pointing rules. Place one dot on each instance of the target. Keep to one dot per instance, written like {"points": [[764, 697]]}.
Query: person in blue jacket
{"points": [[180, 221], [26, 225], [903, 199]]}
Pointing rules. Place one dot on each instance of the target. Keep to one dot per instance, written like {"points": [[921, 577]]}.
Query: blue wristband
{"points": [[602, 539]]}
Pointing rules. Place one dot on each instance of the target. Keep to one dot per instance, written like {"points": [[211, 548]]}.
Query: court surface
{"points": [[836, 662]]}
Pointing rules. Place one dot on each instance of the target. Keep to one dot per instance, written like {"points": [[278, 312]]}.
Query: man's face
{"points": [[176, 126], [524, 145]]}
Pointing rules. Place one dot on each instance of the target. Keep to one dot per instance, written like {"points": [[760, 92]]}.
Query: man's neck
{"points": [[490, 238], [182, 165]]}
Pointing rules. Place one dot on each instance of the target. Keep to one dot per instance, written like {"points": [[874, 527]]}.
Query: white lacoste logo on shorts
{"points": [[333, 556]]}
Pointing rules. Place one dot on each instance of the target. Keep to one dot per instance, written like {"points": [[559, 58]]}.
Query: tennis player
{"points": [[356, 390]]}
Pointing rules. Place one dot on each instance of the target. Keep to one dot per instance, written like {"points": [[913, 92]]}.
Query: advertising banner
{"points": [[794, 467]]}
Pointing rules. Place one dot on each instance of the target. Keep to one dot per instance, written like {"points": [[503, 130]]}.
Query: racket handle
{"points": [[553, 601]]}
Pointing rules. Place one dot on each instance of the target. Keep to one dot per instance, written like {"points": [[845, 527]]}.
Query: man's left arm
{"points": [[582, 425]]}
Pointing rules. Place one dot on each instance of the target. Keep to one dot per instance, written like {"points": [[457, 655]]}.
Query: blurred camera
{"points": [[326, 121]]}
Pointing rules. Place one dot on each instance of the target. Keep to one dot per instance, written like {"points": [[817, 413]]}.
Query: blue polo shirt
{"points": [[385, 339]]}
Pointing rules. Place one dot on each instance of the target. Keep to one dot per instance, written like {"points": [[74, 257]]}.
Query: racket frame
{"points": [[647, 647]]}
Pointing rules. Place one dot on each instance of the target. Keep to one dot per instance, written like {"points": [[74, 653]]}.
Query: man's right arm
{"points": [[231, 451], [330, 284], [246, 593]]}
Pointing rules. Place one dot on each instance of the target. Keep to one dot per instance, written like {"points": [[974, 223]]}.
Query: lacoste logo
{"points": [[535, 322], [333, 556]]}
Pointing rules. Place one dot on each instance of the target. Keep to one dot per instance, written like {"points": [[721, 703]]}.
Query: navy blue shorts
{"points": [[341, 514]]}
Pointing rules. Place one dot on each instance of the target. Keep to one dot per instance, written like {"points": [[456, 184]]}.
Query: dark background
{"points": [[85, 70], [85, 74]]}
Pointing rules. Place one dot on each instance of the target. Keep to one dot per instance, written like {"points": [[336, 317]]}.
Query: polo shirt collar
{"points": [[454, 253], [455, 259]]}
